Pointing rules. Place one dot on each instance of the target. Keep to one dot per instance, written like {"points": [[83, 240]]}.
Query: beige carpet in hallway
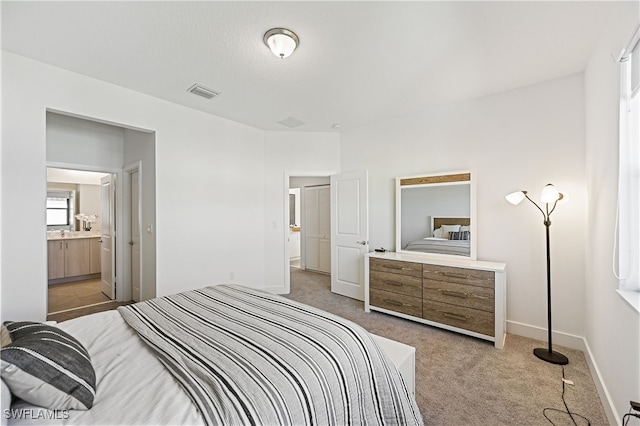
{"points": [[462, 380]]}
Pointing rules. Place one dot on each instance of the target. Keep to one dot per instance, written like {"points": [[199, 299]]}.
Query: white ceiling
{"points": [[358, 62]]}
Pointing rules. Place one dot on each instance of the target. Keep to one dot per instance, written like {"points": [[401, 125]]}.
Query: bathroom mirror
{"points": [[435, 215]]}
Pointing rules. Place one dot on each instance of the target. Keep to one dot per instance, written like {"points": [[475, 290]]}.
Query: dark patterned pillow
{"points": [[462, 235], [47, 367]]}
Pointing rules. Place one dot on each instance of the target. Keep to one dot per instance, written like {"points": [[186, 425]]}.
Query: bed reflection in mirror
{"points": [[434, 215]]}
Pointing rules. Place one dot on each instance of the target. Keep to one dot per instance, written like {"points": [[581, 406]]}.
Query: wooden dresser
{"points": [[466, 296]]}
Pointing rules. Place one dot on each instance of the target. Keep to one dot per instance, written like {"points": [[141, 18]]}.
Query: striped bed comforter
{"points": [[248, 357]]}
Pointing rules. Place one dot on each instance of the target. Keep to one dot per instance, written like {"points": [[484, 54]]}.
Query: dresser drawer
{"points": [[470, 296], [396, 302], [396, 267], [459, 275], [469, 319], [395, 283]]}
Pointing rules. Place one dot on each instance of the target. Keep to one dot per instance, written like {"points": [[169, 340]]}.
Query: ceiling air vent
{"points": [[199, 90], [291, 122]]}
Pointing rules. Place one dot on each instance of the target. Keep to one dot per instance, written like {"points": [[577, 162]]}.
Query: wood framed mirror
{"points": [[435, 215]]}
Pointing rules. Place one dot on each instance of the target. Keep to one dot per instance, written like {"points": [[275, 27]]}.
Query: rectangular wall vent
{"points": [[199, 90]]}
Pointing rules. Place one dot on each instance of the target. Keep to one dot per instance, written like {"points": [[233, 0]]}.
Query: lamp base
{"points": [[550, 356]]}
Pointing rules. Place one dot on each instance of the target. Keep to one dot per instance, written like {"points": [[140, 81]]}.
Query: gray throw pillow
{"points": [[47, 367]]}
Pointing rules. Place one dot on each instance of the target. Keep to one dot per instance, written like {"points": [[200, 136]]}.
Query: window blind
{"points": [[628, 219]]}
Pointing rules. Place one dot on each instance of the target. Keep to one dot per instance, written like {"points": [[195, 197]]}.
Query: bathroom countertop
{"points": [[72, 235]]}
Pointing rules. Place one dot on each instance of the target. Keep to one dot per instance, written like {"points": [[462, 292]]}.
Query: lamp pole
{"points": [[547, 354]]}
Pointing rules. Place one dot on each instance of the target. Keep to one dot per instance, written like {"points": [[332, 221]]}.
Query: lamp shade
{"points": [[281, 42], [549, 194], [516, 197]]}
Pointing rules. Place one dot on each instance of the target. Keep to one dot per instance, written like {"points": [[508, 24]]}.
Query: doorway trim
{"points": [[119, 218], [285, 207], [128, 170]]}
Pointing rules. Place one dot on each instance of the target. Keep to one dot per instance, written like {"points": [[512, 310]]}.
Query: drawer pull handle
{"points": [[399, 268], [455, 275], [395, 283], [459, 294], [396, 303], [455, 316]]}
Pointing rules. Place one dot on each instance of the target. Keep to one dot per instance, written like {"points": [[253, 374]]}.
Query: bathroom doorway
{"points": [[74, 220]]}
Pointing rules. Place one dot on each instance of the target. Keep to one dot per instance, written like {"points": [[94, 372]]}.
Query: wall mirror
{"points": [[435, 215]]}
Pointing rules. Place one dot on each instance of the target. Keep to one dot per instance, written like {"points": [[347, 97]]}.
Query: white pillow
{"points": [[437, 233], [465, 228], [449, 228]]}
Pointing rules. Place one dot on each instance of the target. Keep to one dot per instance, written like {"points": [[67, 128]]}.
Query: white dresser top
{"points": [[440, 260]]}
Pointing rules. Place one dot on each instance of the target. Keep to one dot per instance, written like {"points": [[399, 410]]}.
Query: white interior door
{"points": [[349, 233], [107, 251], [135, 237]]}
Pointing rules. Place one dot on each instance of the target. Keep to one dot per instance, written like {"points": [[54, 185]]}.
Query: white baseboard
{"points": [[538, 333], [276, 290], [573, 342]]}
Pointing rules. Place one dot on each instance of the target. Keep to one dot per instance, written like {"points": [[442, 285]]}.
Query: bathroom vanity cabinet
{"points": [[72, 258]]}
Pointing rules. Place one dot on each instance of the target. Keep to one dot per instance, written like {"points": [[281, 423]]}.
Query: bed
{"points": [[449, 235], [226, 354]]}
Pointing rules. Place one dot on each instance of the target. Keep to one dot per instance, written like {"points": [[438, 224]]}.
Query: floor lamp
{"points": [[550, 195]]}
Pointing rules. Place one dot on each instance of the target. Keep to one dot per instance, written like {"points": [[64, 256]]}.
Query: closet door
{"points": [[317, 227], [311, 240], [324, 229]]}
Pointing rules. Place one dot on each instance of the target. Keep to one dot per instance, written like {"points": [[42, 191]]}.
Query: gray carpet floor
{"points": [[462, 380]]}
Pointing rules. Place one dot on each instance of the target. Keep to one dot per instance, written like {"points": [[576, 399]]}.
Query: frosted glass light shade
{"points": [[515, 197], [281, 42], [550, 194]]}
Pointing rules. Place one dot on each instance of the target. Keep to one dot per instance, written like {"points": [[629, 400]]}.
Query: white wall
{"points": [[88, 143], [90, 203], [290, 154], [522, 139], [209, 179], [612, 327]]}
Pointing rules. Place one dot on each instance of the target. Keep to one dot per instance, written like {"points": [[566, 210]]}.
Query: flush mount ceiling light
{"points": [[281, 41]]}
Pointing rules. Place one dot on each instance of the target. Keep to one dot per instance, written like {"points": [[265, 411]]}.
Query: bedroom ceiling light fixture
{"points": [[549, 196], [281, 41]]}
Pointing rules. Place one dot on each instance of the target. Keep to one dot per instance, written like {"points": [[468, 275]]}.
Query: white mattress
{"points": [[128, 376]]}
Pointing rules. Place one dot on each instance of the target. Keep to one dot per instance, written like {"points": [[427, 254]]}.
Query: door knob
{"points": [[364, 243], [130, 243]]}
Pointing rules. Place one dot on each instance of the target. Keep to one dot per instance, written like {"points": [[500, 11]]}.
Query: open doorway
{"points": [[346, 224], [75, 220], [309, 232], [126, 155]]}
